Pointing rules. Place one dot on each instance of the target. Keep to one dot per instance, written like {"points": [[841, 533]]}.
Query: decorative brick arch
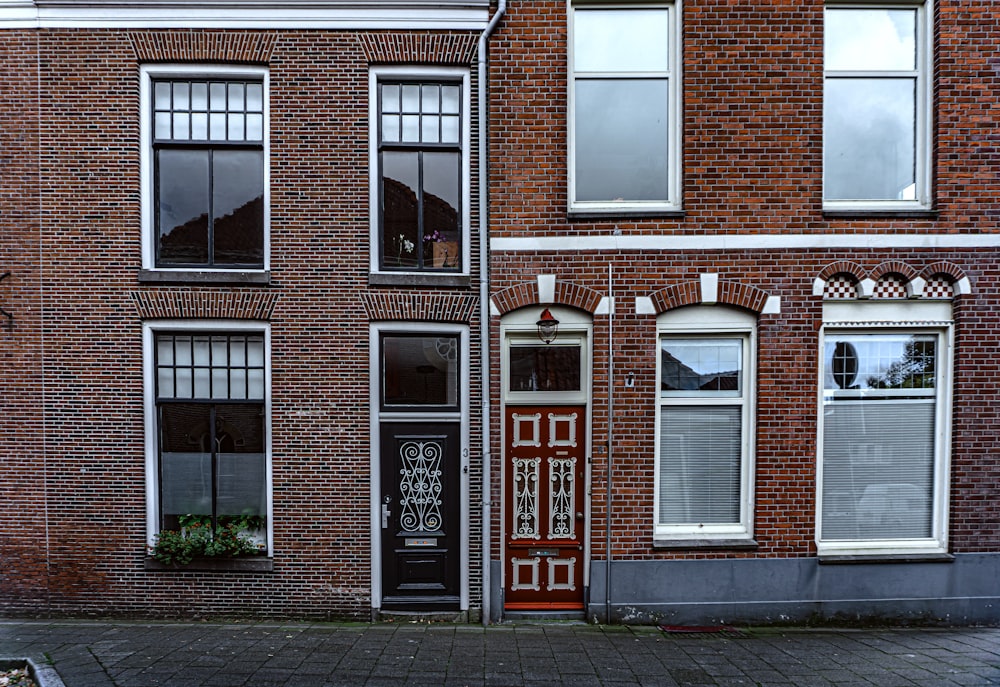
{"points": [[894, 267], [526, 293], [406, 48], [843, 267], [203, 46], [730, 293], [954, 273]]}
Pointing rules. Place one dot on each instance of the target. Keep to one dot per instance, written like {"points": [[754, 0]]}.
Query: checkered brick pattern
{"points": [[890, 287], [839, 287], [938, 287]]}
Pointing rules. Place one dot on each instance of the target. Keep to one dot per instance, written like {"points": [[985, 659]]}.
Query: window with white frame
{"points": [[209, 430], [704, 424], [876, 115], [205, 168], [420, 164], [884, 454], [625, 115]]}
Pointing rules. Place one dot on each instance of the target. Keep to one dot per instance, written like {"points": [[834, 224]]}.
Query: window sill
{"points": [[842, 559], [228, 277], [247, 564], [419, 279], [622, 213], [879, 213], [705, 544]]}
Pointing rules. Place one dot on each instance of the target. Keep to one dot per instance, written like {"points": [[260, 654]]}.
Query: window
{"points": [[883, 456], [624, 121], [205, 198], [209, 429], [421, 158], [704, 424], [876, 107], [420, 370]]}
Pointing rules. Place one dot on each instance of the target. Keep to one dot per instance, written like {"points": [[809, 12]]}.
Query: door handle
{"points": [[385, 515]]}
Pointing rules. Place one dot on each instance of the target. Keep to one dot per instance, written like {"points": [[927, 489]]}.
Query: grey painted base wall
{"points": [[797, 590]]}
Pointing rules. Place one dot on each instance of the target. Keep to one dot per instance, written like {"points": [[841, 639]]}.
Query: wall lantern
{"points": [[548, 327]]}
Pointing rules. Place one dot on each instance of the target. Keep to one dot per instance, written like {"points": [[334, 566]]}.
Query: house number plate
{"points": [[543, 552], [421, 542]]}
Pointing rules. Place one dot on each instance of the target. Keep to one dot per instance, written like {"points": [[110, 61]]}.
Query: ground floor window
{"points": [[883, 413], [209, 420], [703, 429]]}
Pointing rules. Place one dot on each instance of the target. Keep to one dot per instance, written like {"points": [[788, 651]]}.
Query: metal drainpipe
{"points": [[609, 475], [484, 299]]}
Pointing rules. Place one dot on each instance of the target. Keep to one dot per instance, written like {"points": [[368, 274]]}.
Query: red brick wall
{"points": [[752, 164], [72, 514]]}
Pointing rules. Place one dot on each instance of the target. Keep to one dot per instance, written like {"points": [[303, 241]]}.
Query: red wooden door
{"points": [[544, 465]]}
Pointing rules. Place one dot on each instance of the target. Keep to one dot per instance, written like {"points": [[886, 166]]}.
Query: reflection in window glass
{"points": [[701, 365], [544, 368], [870, 39], [420, 370], [628, 40]]}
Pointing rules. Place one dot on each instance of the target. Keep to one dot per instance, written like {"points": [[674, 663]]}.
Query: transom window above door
{"points": [[421, 180]]}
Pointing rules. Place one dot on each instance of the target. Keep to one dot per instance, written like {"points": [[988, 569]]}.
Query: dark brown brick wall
{"points": [[752, 164]]}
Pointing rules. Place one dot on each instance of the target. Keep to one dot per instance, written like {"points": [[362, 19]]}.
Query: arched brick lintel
{"points": [[952, 271], [730, 293], [843, 267], [893, 267], [566, 293]]}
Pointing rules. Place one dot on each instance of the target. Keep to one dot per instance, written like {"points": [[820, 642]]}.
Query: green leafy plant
{"points": [[197, 538]]}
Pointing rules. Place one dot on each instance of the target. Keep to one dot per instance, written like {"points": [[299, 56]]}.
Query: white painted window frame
{"points": [[429, 416], [149, 330], [930, 317], [707, 322], [674, 78], [427, 73], [147, 195], [923, 154]]}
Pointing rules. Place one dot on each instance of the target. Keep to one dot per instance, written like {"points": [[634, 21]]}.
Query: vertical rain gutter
{"points": [[484, 300], [610, 472]]}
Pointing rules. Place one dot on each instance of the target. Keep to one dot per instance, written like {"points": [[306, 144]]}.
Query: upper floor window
{"points": [[876, 107], [704, 428], [624, 120], [421, 158], [205, 168]]}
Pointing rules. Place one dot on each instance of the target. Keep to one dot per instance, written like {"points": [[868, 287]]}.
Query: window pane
{"points": [[879, 361], [255, 97], [411, 128], [430, 98], [695, 365], [182, 129], [236, 131], [627, 40], [441, 202], [544, 368], [411, 98], [218, 97], [878, 469], [161, 96], [621, 139], [235, 97], [185, 458], [429, 128], [199, 126], [390, 128], [450, 99], [400, 181], [182, 206], [449, 129], [217, 126], [700, 453], [181, 101], [255, 127], [238, 205], [870, 39], [199, 96], [162, 125], [420, 370], [869, 139], [390, 98]]}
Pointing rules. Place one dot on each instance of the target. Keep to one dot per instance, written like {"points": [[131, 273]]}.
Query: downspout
{"points": [[484, 300], [611, 420]]}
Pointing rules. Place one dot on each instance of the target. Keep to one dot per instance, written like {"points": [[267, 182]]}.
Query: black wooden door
{"points": [[420, 516]]}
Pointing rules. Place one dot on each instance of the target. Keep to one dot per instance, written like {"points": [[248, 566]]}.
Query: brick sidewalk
{"points": [[142, 654]]}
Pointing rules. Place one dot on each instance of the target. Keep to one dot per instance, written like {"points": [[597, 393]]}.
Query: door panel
{"points": [[420, 516], [545, 463]]}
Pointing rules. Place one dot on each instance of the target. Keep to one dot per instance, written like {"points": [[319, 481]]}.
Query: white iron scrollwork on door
{"points": [[525, 498], [420, 486], [561, 484]]}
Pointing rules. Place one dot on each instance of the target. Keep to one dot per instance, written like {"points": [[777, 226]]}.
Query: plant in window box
{"points": [[443, 253], [196, 539]]}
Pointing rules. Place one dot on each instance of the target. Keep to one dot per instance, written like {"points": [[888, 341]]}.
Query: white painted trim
{"points": [[644, 306], [605, 306], [772, 306], [378, 73], [149, 72], [709, 282], [462, 416], [708, 321], [891, 310], [239, 15], [149, 329], [579, 243]]}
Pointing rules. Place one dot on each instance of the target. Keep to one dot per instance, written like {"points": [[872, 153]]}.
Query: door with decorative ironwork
{"points": [[544, 522], [420, 516]]}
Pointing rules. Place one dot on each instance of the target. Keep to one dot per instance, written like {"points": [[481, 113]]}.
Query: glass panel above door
{"points": [[544, 368]]}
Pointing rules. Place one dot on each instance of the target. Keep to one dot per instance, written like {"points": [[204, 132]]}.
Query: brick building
{"points": [[240, 248], [768, 231], [241, 294]]}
